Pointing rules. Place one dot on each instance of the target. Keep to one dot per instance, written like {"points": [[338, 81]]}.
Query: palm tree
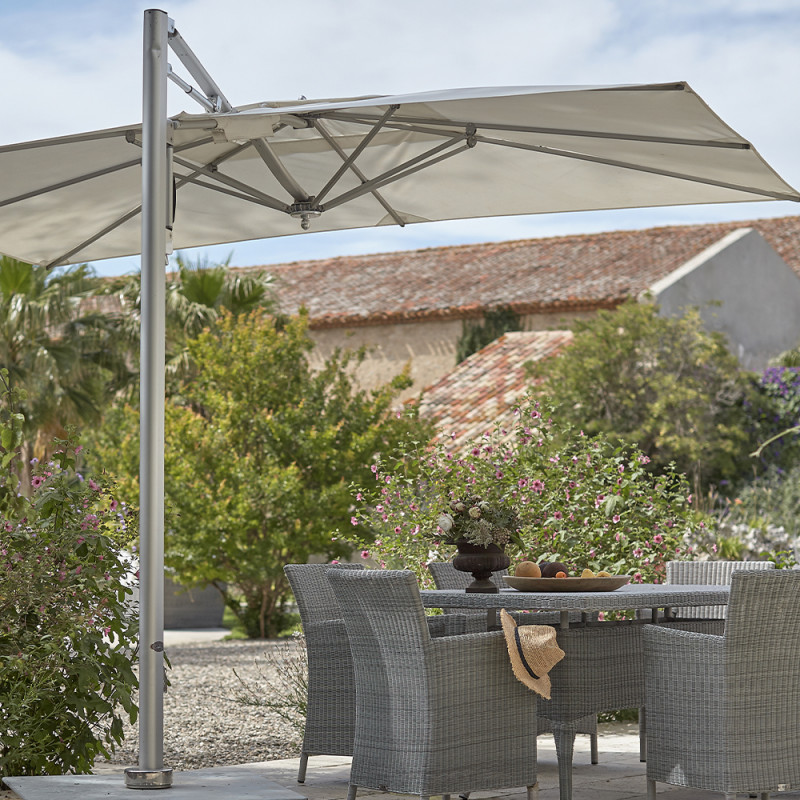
{"points": [[195, 295], [63, 359]]}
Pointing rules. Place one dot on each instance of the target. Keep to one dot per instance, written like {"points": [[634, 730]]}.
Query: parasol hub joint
{"points": [[305, 211]]}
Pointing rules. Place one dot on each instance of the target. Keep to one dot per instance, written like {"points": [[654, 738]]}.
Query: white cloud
{"points": [[72, 67]]}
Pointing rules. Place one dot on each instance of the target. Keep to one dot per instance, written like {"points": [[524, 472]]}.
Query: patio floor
{"points": [[619, 776]]}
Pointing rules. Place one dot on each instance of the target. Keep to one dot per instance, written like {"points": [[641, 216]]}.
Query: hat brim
{"points": [[534, 676]]}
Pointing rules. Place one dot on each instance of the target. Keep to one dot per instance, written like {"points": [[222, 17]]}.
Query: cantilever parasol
{"points": [[274, 169]]}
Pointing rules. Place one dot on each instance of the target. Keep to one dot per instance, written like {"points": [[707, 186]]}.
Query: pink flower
{"points": [[365, 554], [335, 561], [637, 577], [558, 515], [353, 521], [658, 538], [359, 496], [637, 553], [94, 486], [398, 529], [615, 518], [537, 486], [37, 481]]}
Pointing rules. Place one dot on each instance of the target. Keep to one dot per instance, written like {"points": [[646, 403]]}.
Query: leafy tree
{"points": [[476, 335], [260, 452], [65, 360], [665, 384], [195, 295]]}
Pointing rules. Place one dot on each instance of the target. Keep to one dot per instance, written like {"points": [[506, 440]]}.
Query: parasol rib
{"points": [[552, 151], [369, 119], [359, 174]]}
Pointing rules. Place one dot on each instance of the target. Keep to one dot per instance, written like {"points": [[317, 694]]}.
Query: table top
{"points": [[631, 596]]}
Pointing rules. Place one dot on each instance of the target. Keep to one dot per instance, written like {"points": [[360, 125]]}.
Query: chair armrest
{"points": [[447, 625]]}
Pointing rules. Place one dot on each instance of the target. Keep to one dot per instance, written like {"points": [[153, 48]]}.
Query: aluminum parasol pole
{"points": [[151, 773]]}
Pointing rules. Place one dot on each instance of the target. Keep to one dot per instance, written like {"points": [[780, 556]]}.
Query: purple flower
{"points": [[37, 481]]}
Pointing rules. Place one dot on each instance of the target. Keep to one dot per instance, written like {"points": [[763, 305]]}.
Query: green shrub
{"points": [[67, 626], [664, 384]]}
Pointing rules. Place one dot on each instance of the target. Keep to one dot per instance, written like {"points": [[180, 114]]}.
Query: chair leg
{"points": [[651, 790], [464, 796], [351, 791], [301, 773], [595, 756], [533, 791], [642, 734]]}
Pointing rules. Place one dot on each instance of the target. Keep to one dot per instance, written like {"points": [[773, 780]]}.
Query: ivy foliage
{"points": [[475, 335]]}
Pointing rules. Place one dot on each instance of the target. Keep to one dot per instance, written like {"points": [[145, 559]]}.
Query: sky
{"points": [[72, 67]]}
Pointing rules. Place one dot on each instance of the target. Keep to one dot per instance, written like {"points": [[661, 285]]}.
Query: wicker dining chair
{"points": [[698, 573], [433, 716], [446, 576], [708, 573], [723, 710], [330, 707]]}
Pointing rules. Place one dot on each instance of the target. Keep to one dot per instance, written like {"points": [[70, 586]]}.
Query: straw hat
{"points": [[533, 651]]}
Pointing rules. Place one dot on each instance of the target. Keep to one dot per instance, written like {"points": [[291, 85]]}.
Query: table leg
{"points": [[564, 620], [564, 735], [492, 622]]}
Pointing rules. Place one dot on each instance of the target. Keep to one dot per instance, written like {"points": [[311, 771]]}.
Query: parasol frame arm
{"points": [[356, 153], [317, 124], [426, 159], [192, 63]]}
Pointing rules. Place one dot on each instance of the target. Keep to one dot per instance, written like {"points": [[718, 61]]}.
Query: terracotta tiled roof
{"points": [[468, 401], [581, 272]]}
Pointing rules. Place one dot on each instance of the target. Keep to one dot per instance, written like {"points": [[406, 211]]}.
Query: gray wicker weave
{"points": [[446, 576], [708, 573], [723, 710], [330, 710], [433, 716]]}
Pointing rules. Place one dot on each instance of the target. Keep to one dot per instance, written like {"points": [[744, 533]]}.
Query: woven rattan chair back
{"points": [[708, 573], [723, 710], [330, 709], [426, 721]]}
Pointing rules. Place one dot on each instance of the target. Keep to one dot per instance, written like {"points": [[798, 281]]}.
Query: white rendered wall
{"points": [[743, 289]]}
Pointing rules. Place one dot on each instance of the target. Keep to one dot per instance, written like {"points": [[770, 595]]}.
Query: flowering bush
{"points": [[67, 628], [774, 413], [580, 500]]}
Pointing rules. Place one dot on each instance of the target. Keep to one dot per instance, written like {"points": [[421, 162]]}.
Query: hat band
{"points": [[522, 655]]}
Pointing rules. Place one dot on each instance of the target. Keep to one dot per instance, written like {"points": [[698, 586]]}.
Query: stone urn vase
{"points": [[480, 562]]}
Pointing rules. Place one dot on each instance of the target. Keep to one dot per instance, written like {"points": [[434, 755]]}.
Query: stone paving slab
{"points": [[619, 776]]}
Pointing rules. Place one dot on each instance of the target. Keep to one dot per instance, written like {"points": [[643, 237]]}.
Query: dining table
{"points": [[603, 666]]}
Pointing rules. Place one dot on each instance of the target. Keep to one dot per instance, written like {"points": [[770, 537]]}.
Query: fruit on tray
{"points": [[561, 574], [587, 573], [550, 569], [528, 569], [603, 574]]}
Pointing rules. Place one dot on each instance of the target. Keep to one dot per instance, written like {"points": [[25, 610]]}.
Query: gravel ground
{"points": [[204, 725]]}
